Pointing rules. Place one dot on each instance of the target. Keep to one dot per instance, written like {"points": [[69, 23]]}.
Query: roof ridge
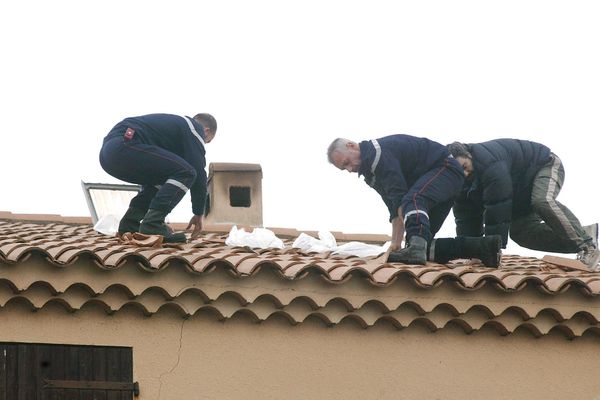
{"points": [[211, 228]]}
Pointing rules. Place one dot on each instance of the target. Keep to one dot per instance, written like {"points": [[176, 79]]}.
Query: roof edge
{"points": [[285, 233], [44, 218]]}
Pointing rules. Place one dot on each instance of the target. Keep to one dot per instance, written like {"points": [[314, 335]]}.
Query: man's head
{"points": [[210, 126], [344, 154], [461, 153]]}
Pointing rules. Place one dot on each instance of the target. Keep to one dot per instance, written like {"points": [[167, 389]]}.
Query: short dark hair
{"points": [[207, 121], [458, 149]]}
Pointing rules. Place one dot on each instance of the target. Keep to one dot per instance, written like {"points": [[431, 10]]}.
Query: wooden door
{"points": [[53, 372]]}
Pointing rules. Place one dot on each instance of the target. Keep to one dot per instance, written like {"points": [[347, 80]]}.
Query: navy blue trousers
{"points": [[164, 176], [429, 201]]}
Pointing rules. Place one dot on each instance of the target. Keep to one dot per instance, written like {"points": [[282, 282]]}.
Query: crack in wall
{"points": [[164, 374]]}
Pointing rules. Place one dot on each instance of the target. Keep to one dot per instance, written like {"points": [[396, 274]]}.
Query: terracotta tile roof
{"points": [[208, 276], [63, 244]]}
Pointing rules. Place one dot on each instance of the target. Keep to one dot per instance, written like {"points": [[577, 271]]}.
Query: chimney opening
{"points": [[239, 196]]}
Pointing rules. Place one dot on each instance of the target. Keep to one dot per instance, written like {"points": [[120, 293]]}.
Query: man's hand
{"points": [[397, 231], [198, 222]]}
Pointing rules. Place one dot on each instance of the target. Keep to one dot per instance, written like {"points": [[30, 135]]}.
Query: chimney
{"points": [[234, 194]]}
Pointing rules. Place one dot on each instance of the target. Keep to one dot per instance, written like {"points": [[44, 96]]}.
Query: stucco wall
{"points": [[204, 358]]}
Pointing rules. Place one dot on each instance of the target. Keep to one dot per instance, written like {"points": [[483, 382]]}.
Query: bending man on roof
{"points": [[418, 180], [512, 186], [165, 154]]}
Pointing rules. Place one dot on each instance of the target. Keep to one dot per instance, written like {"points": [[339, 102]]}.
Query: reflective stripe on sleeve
{"points": [[375, 160]]}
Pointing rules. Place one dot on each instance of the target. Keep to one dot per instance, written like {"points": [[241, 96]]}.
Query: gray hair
{"points": [[338, 144], [458, 149]]}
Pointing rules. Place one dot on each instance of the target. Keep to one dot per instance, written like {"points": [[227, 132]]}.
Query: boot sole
{"points": [[593, 263], [125, 228], [175, 238], [493, 246], [178, 237], [393, 257]]}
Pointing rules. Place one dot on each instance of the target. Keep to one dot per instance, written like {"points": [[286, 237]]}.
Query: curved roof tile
{"points": [[63, 244]]}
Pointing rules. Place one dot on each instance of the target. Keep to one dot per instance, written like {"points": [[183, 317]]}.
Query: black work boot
{"points": [[488, 249], [131, 220], [154, 224], [443, 250], [414, 253]]}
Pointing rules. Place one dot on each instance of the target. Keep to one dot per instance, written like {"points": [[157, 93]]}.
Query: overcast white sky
{"points": [[283, 79]]}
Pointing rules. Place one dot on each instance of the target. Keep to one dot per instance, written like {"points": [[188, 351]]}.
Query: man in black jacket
{"points": [[165, 154], [512, 186], [418, 180]]}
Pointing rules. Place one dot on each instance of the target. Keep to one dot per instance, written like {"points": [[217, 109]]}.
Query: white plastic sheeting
{"points": [[259, 238], [264, 238], [327, 242], [360, 249], [307, 243], [107, 225]]}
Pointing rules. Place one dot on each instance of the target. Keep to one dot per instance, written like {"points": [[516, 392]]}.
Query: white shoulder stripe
{"points": [[194, 131], [377, 155]]}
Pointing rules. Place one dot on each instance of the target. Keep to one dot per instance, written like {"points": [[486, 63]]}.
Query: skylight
{"points": [[108, 199]]}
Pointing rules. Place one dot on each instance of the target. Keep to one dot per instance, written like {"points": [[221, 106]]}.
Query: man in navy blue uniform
{"points": [[165, 154], [512, 186], [418, 180]]}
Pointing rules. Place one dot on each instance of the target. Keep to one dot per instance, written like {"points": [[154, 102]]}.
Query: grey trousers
{"points": [[550, 226]]}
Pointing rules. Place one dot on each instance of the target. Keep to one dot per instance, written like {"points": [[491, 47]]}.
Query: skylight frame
{"points": [[87, 186]]}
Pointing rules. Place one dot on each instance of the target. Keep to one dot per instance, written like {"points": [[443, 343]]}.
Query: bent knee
{"points": [[192, 174], [543, 205], [518, 235], [187, 176]]}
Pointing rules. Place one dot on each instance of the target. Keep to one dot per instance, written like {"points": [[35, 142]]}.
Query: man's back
{"points": [[519, 156], [413, 156], [171, 132]]}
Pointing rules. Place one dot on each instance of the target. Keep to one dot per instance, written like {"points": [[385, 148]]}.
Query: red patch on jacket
{"points": [[129, 134]]}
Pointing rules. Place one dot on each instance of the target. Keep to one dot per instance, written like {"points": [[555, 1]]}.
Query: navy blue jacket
{"points": [[500, 188], [180, 135], [402, 160]]}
